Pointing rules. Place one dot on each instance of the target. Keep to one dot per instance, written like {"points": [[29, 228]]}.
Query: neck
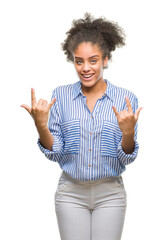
{"points": [[98, 89]]}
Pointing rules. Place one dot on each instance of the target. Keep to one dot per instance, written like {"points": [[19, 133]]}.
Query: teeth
{"points": [[87, 76]]}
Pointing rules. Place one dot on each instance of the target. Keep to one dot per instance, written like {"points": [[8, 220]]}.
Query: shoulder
{"points": [[118, 95], [62, 90], [120, 92]]}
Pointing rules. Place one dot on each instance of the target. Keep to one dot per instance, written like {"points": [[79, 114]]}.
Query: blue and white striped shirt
{"points": [[87, 145]]}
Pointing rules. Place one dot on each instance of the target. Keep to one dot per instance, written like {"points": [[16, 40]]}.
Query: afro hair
{"points": [[106, 34]]}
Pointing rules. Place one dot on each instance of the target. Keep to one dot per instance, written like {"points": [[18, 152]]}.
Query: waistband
{"points": [[106, 179]]}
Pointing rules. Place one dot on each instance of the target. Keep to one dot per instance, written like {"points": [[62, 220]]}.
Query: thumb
{"points": [[137, 112], [26, 108]]}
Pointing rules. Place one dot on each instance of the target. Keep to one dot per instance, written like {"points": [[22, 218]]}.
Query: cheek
{"points": [[77, 68], [99, 70]]}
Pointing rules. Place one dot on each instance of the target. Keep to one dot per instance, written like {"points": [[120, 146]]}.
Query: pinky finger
{"points": [[138, 112], [115, 111], [51, 103]]}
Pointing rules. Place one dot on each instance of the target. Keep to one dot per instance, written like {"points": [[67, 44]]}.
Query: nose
{"points": [[86, 67]]}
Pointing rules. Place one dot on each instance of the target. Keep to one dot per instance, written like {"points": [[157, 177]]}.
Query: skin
{"points": [[127, 121], [87, 60], [39, 111]]}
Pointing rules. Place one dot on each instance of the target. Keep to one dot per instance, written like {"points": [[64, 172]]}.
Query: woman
{"points": [[91, 133]]}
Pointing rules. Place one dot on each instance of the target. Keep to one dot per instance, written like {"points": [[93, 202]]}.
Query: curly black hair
{"points": [[106, 34]]}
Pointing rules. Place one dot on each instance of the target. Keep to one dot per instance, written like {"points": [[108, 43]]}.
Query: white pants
{"points": [[90, 210]]}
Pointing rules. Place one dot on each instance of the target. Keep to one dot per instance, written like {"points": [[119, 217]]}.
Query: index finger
{"points": [[129, 105], [33, 97]]}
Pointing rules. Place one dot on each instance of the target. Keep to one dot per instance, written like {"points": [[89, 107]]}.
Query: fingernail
{"points": [[32, 89]]}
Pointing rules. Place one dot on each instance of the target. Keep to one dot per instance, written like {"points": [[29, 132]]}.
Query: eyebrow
{"points": [[88, 58]]}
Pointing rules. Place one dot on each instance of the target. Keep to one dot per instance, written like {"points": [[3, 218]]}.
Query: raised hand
{"points": [[39, 110], [127, 119]]}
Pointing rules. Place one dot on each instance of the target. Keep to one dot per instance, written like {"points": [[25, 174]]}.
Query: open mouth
{"points": [[87, 76]]}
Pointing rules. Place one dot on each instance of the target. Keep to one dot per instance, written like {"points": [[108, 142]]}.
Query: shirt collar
{"points": [[109, 90]]}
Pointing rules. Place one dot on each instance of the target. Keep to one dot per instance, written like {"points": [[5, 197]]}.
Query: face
{"points": [[89, 63]]}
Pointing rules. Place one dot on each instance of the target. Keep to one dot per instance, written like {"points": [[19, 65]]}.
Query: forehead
{"points": [[87, 49]]}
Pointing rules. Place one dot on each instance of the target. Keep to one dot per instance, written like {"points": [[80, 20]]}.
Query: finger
{"points": [[115, 111], [40, 102], [44, 103], [137, 112], [123, 113], [26, 108], [128, 105], [51, 103], [33, 97]]}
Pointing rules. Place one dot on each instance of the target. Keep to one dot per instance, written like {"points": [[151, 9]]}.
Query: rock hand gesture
{"points": [[127, 121], [40, 112]]}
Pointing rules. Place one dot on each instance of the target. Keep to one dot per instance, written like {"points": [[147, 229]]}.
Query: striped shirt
{"points": [[87, 146]]}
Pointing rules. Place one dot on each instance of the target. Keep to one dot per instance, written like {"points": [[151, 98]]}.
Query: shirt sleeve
{"points": [[124, 158], [54, 125]]}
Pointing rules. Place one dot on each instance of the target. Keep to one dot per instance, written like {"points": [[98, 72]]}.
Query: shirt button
{"points": [[91, 116], [89, 165], [89, 149], [99, 104], [91, 133]]}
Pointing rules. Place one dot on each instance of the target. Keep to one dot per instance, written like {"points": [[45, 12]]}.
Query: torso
{"points": [[91, 102], [92, 99]]}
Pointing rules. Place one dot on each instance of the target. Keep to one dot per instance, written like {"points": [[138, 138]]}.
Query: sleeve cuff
{"points": [[127, 158], [49, 154]]}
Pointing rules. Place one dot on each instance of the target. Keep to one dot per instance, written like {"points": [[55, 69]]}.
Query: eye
{"points": [[78, 62], [93, 61]]}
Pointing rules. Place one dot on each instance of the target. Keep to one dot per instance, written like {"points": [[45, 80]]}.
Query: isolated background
{"points": [[30, 56]]}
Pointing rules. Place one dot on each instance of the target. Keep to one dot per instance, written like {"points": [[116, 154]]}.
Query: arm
{"points": [[39, 112], [128, 146], [54, 127], [127, 121], [45, 136], [128, 143]]}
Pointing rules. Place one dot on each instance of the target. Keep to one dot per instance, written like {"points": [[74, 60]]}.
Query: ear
{"points": [[105, 61]]}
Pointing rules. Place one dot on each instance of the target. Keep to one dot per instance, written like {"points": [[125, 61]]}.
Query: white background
{"points": [[30, 56]]}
